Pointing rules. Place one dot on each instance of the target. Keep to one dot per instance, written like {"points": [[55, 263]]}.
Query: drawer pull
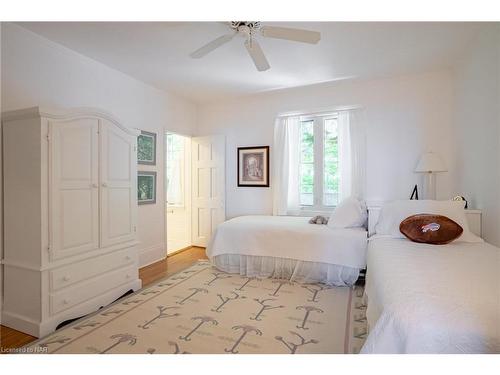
{"points": [[128, 276], [66, 278], [65, 302], [127, 257]]}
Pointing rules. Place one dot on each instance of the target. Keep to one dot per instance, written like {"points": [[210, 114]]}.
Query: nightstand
{"points": [[474, 221]]}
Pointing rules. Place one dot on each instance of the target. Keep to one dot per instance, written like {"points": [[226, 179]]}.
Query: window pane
{"points": [[331, 175], [306, 173]]}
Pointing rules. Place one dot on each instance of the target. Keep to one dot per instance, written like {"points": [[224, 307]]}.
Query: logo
{"points": [[430, 227]]}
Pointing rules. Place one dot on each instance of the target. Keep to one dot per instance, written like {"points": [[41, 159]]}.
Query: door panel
{"points": [[208, 163], [119, 219], [118, 180], [74, 203]]}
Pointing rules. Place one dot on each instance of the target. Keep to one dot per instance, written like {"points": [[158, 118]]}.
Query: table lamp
{"points": [[430, 163]]}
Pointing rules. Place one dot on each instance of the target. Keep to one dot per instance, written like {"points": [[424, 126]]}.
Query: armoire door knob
{"points": [[95, 186], [104, 184]]}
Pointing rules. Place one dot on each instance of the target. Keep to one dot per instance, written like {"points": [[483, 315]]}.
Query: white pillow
{"points": [[393, 213], [348, 214]]}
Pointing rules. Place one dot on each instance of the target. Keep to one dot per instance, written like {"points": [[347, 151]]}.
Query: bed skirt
{"points": [[288, 269]]}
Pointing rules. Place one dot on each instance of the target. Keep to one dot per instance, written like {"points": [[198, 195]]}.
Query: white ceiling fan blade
{"points": [[297, 35], [209, 47], [257, 55]]}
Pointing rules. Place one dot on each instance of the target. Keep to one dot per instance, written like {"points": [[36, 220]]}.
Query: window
{"points": [[319, 163]]}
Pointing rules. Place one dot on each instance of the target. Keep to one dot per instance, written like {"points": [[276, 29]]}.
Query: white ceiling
{"points": [[157, 53]]}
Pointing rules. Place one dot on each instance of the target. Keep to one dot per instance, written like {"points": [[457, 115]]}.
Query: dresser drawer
{"points": [[65, 276], [75, 295]]}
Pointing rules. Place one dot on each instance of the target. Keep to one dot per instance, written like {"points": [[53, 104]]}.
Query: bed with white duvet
{"points": [[432, 299], [424, 298], [288, 247]]}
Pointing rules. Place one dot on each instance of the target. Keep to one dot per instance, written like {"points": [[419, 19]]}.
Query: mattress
{"points": [[289, 237], [432, 298]]}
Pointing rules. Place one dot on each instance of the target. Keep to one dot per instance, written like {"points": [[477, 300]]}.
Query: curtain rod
{"points": [[319, 112]]}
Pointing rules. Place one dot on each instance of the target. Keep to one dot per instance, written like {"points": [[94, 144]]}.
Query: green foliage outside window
{"points": [[307, 158], [331, 159]]}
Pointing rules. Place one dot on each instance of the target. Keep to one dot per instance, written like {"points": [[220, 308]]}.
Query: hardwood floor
{"points": [[10, 338], [170, 265]]}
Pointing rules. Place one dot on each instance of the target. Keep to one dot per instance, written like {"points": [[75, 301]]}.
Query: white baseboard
{"points": [[152, 254]]}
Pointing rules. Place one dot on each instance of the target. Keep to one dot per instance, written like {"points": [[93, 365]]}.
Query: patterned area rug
{"points": [[202, 310]]}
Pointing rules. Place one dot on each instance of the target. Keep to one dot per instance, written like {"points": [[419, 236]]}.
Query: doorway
{"points": [[178, 192], [194, 189]]}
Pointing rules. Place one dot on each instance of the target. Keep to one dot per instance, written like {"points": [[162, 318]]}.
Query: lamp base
{"points": [[430, 186]]}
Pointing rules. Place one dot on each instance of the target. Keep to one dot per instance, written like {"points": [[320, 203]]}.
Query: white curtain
{"points": [[285, 165], [344, 149], [352, 153]]}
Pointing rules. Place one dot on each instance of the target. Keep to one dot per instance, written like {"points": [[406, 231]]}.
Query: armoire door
{"points": [[208, 189], [74, 199], [118, 180]]}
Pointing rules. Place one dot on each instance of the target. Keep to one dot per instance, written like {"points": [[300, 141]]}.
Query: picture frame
{"points": [[253, 166], [146, 148], [146, 187]]}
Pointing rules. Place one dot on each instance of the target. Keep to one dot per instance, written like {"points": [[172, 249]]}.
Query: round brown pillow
{"points": [[431, 229]]}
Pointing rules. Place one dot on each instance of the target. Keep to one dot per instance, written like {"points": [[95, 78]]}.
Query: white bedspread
{"points": [[289, 237], [432, 299]]}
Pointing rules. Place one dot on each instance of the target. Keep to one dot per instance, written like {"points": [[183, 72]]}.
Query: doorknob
{"points": [[104, 184]]}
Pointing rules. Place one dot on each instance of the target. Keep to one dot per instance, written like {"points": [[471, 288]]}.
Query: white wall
{"points": [[477, 120], [36, 71], [405, 116]]}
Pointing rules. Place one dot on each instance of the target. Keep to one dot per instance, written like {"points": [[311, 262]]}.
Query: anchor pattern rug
{"points": [[202, 310]]}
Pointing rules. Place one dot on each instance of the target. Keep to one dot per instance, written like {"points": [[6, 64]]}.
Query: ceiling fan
{"points": [[249, 30]]}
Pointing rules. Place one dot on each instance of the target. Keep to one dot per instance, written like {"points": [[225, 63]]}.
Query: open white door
{"points": [[209, 198]]}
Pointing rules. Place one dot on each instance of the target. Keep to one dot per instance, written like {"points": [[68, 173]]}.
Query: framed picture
{"points": [[146, 187], [253, 166], [146, 148]]}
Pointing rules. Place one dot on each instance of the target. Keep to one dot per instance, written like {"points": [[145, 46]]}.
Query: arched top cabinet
{"points": [[70, 215]]}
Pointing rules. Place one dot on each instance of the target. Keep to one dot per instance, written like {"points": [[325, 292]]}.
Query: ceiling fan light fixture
{"points": [[255, 25]]}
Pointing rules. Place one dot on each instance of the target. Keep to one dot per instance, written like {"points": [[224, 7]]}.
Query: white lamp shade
{"points": [[430, 162]]}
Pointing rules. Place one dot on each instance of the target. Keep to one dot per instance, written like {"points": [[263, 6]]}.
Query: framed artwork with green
{"points": [[146, 187], [146, 148]]}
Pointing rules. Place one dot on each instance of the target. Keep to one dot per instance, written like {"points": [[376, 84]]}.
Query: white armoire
{"points": [[70, 202]]}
